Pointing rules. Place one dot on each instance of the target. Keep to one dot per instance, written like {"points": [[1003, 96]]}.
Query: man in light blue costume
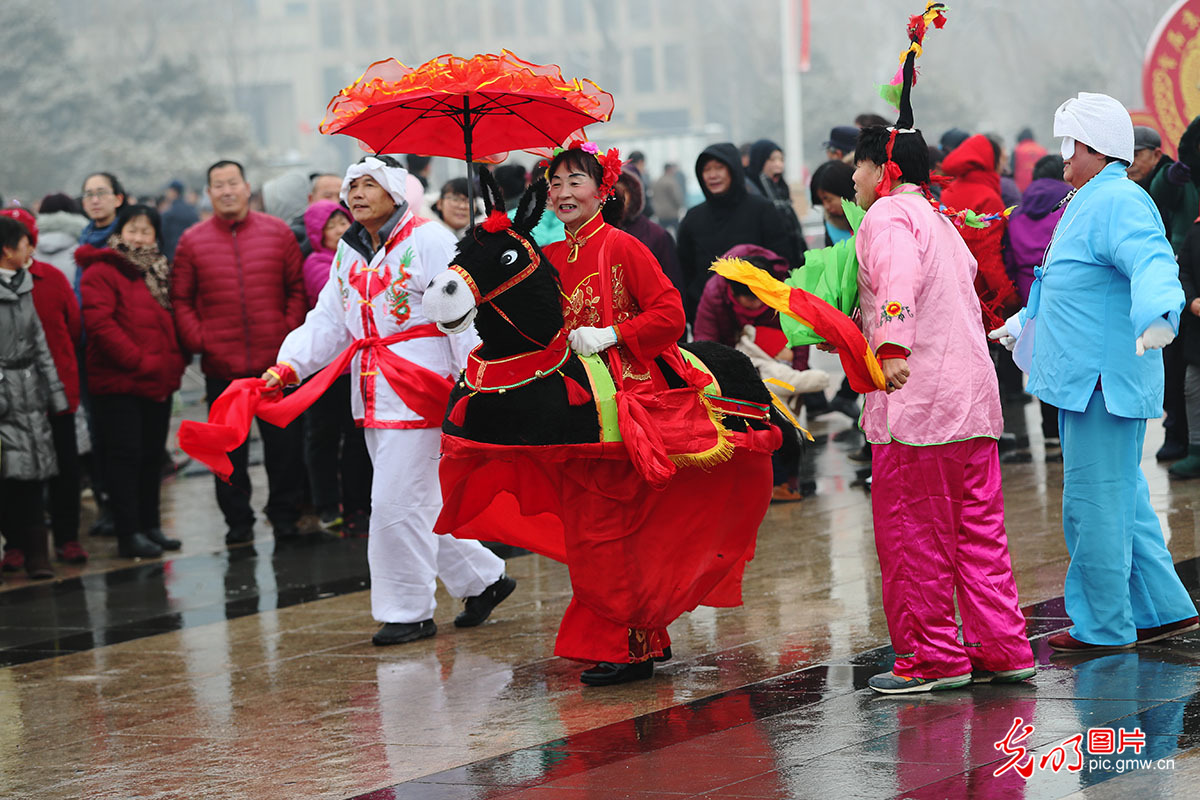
{"points": [[1104, 304]]}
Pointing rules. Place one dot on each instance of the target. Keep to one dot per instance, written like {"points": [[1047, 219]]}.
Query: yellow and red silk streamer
{"points": [[861, 367]]}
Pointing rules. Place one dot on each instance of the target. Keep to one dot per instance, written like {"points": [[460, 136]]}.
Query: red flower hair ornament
{"points": [[610, 163]]}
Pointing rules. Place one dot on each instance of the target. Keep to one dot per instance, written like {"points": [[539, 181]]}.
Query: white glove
{"points": [[589, 341], [1007, 335], [1158, 334]]}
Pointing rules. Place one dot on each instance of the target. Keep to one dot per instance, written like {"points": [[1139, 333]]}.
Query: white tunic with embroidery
{"points": [[378, 299]]}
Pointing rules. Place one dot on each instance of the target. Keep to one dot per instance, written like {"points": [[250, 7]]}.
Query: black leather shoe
{"points": [[138, 546], [480, 607], [240, 534], [165, 542], [104, 525], [401, 632], [666, 656], [608, 674], [1171, 451]]}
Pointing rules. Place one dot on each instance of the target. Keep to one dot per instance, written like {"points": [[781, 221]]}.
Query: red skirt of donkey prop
{"points": [[639, 556]]}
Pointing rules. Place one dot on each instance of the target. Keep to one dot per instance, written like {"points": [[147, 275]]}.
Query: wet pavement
{"points": [[249, 673]]}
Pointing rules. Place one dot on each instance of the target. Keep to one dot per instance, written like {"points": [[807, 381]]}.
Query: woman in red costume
{"points": [[615, 294], [616, 300]]}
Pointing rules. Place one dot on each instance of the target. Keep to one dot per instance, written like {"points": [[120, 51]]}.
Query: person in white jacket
{"points": [[372, 300]]}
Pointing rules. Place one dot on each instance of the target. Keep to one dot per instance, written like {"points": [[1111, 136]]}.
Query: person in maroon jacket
{"points": [[134, 365], [238, 289], [58, 309]]}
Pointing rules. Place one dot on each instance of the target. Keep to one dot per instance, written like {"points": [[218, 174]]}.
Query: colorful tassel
{"points": [[576, 394], [458, 414]]}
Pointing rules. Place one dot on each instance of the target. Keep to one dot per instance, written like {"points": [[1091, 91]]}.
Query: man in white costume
{"points": [[373, 298]]}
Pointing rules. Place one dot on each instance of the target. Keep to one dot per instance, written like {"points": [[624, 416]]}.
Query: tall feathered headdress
{"points": [[899, 92]]}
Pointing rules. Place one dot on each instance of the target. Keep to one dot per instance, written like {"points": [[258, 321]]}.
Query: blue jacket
{"points": [[1109, 273]]}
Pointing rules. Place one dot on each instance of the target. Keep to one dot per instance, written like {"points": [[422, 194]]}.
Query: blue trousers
{"points": [[1121, 575]]}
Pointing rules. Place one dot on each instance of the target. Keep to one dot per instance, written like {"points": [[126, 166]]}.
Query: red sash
{"points": [[424, 391]]}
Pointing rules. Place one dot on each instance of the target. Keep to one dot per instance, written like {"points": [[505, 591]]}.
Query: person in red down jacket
{"points": [[976, 183], [58, 310], [238, 289], [134, 365]]}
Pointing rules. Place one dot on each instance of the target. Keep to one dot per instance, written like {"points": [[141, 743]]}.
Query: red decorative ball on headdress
{"points": [[496, 221]]}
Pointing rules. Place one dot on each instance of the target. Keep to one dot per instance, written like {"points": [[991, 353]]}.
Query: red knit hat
{"points": [[25, 218]]}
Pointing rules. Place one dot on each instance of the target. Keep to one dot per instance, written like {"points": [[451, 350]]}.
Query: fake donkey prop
{"points": [[542, 449]]}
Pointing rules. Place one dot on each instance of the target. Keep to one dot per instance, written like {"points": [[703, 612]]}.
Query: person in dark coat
{"points": [[766, 173], [134, 365], [728, 216], [1189, 338], [1148, 157], [179, 216], [645, 230], [29, 391]]}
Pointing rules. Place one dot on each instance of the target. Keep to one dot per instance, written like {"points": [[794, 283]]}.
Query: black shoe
{"points": [[845, 405], [104, 525], [165, 542], [1171, 451], [862, 456], [480, 607], [285, 531], [240, 534], [609, 674], [401, 632], [138, 546], [666, 656]]}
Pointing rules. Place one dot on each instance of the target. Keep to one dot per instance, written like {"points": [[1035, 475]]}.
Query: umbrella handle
{"points": [[467, 129]]}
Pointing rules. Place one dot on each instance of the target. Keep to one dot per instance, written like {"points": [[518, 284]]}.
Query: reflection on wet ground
{"points": [[250, 674]]}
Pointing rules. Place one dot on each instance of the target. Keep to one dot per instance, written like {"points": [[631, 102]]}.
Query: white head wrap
{"points": [[394, 180], [1098, 121]]}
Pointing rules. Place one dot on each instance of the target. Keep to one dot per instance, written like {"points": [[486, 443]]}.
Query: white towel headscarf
{"points": [[394, 180], [1098, 121]]}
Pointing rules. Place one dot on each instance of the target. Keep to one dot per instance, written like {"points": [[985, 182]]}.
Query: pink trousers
{"points": [[939, 532]]}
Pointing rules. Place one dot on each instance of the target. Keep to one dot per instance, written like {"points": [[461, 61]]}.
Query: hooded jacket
{"points": [[58, 236], [29, 388], [132, 347], [976, 184], [1030, 228], [237, 289], [316, 266], [731, 218], [1179, 203], [650, 233]]}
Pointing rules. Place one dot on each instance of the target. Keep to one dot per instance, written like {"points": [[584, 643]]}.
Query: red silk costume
{"points": [[638, 556], [637, 300]]}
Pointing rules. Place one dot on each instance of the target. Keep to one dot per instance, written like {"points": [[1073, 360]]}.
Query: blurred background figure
{"points": [[32, 391], [134, 365], [1025, 155], [335, 450]]}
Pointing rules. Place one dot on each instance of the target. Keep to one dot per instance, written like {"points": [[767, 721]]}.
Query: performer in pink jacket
{"points": [[936, 498]]}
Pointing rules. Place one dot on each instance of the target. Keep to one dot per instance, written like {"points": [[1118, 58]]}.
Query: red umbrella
{"points": [[458, 107]]}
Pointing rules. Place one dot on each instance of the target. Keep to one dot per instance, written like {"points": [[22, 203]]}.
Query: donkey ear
{"points": [[493, 198], [531, 207]]}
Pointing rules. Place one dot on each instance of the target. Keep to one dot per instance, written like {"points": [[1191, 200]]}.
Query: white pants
{"points": [[404, 554]]}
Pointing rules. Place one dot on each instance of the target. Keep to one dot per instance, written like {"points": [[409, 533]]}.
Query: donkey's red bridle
{"points": [[529, 269]]}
